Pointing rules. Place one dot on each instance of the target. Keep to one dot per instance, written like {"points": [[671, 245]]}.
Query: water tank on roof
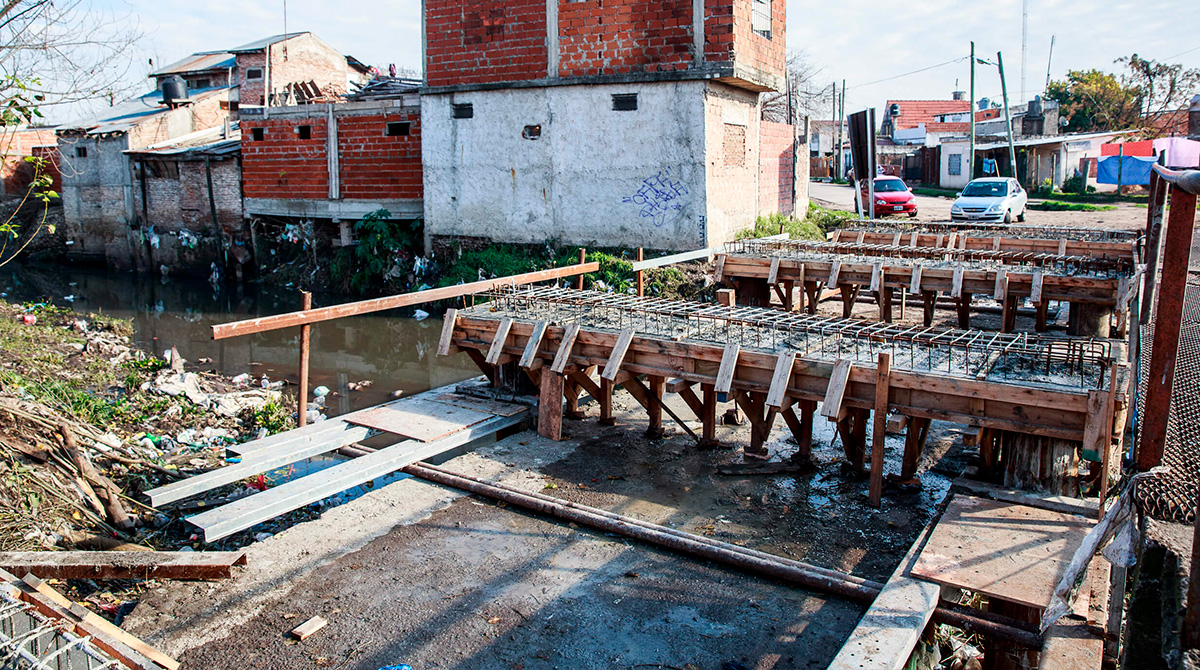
{"points": [[894, 110], [173, 89], [1035, 106], [984, 103]]}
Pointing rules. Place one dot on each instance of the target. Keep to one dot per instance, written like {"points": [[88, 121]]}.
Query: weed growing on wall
{"points": [[383, 259]]}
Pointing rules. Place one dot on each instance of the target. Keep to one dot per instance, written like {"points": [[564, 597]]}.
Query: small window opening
{"points": [[532, 132], [305, 132], [199, 83], [624, 102], [256, 134], [760, 18], [81, 152], [254, 73], [463, 110], [398, 128]]}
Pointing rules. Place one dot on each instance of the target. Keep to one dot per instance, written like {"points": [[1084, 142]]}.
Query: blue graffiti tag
{"points": [[660, 198]]}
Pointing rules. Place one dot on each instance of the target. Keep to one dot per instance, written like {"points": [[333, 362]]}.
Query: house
{"points": [[620, 124], [1053, 158], [335, 163], [18, 143], [187, 194], [921, 122], [294, 68]]}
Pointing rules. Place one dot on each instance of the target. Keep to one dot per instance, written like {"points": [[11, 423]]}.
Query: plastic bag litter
{"points": [[321, 391], [420, 314]]}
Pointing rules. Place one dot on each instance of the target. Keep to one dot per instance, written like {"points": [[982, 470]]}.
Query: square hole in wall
{"points": [[624, 102], [256, 134], [397, 129], [304, 132], [532, 132], [81, 152], [464, 110]]}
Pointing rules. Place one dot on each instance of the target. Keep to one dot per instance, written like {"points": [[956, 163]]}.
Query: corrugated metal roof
{"points": [[259, 45], [199, 62], [125, 115]]}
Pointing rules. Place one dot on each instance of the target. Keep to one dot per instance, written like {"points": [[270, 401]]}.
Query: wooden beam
{"points": [[834, 270], [1001, 289], [533, 345], [914, 445], [720, 267], [1035, 295], [564, 348], [956, 283], [773, 274], [728, 366], [448, 323], [493, 354], [709, 418], [550, 403], [613, 365], [838, 381], [879, 435], [123, 564], [300, 318], [781, 378]]}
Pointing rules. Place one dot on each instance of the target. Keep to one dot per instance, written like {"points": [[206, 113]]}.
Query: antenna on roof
{"points": [[285, 33]]}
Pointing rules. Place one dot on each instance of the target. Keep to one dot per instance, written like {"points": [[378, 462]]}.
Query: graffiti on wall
{"points": [[660, 198]]}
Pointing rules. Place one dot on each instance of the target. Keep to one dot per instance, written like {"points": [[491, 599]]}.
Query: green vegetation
{"points": [[274, 417], [1060, 206], [935, 192], [808, 228], [383, 257]]}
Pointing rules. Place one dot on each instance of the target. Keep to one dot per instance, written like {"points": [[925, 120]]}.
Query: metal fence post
{"points": [[302, 417]]}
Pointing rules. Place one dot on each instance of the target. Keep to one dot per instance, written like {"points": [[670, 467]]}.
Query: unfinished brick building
{"points": [[626, 123]]}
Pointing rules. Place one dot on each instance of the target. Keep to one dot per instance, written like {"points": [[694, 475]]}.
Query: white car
{"points": [[991, 199]]}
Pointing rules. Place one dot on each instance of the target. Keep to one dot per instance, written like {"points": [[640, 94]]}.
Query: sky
{"points": [[859, 41]]}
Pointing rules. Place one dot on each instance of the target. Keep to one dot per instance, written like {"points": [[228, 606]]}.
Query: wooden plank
{"points": [[913, 240], [834, 270], [1003, 550], [497, 348], [956, 283], [1064, 504], [781, 378], [1001, 289], [729, 357], [123, 564], [533, 345], [915, 286], [879, 435], [891, 627], [838, 381], [246, 512], [720, 267], [1062, 247], [550, 402], [309, 627], [497, 407], [773, 273], [877, 277], [300, 318], [613, 365], [448, 323], [683, 257], [564, 348], [995, 244], [421, 420], [1035, 295], [89, 623], [1071, 645]]}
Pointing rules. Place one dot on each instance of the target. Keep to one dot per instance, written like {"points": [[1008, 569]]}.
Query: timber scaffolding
{"points": [[1096, 282], [1036, 400], [1013, 230]]}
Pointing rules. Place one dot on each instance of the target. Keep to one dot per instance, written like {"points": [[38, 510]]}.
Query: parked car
{"points": [[892, 196], [991, 199]]}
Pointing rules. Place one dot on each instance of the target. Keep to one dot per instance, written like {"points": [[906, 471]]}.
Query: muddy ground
{"points": [[415, 573]]}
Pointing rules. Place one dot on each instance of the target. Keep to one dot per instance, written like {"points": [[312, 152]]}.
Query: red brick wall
{"points": [[776, 165], [374, 166], [15, 145], [475, 42], [49, 154], [615, 36], [250, 91], [729, 35], [282, 165]]}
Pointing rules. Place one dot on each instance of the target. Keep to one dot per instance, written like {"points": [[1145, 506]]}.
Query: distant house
{"points": [[1039, 159], [294, 68], [19, 143], [923, 122]]}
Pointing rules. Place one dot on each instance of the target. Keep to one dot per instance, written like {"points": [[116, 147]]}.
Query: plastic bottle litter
{"points": [[319, 401], [28, 319], [241, 380], [262, 432], [320, 391], [402, 666]]}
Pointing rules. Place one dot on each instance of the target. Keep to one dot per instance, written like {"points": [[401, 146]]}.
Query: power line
{"points": [[1182, 53], [924, 69]]}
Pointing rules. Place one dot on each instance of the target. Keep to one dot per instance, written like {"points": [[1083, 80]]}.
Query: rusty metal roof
{"points": [[199, 62]]}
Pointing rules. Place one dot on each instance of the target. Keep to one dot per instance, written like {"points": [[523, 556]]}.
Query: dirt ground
{"points": [[415, 573], [1126, 216]]}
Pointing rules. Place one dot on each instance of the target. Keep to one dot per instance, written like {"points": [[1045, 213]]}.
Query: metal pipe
{"points": [[812, 577]]}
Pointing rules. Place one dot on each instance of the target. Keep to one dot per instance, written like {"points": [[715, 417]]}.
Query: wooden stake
{"points": [[550, 400], [882, 380]]}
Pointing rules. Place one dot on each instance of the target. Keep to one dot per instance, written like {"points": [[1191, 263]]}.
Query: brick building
{"points": [[629, 123], [334, 163], [295, 68], [17, 144]]}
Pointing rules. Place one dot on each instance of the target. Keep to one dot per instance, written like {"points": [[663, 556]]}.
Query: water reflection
{"points": [[391, 349]]}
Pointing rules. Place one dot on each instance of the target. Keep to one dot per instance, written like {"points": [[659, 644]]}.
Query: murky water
{"points": [[392, 350]]}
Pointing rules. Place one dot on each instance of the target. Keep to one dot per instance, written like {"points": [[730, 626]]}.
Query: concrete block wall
{"points": [[777, 167], [599, 37], [475, 42]]}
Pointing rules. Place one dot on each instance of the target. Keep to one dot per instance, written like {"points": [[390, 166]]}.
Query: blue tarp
{"points": [[1134, 170]]}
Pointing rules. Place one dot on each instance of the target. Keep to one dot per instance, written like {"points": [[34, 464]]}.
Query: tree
{"points": [[1162, 87], [805, 92], [1091, 100]]}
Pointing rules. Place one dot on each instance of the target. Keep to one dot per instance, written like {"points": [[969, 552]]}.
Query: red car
{"points": [[891, 197]]}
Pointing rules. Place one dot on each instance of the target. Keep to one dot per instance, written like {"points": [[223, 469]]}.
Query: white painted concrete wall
{"points": [[634, 178], [959, 180]]}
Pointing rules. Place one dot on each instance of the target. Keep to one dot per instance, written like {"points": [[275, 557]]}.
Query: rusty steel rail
{"points": [[305, 317], [811, 577]]}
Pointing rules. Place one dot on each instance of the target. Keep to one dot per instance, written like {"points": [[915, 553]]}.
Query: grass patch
{"points": [[1095, 197], [935, 192], [808, 228], [1058, 206]]}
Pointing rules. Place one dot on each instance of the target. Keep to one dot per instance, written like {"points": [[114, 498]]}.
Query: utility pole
{"points": [[833, 131], [1049, 60], [971, 154], [1012, 152], [1024, 45]]}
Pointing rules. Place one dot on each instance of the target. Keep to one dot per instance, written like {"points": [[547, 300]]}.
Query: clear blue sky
{"points": [[857, 40]]}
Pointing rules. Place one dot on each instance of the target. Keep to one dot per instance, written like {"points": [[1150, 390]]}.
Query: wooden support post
{"points": [[489, 371], [720, 271], [789, 292], [582, 260], [849, 296], [1008, 317], [305, 339], [987, 452], [448, 324], [761, 417], [853, 431], [884, 297], [571, 391], [606, 406], [550, 401], [563, 355], [928, 303], [801, 427], [802, 283], [879, 435], [964, 311], [1039, 323], [708, 418], [655, 410], [1171, 292], [914, 446], [812, 290], [640, 278]]}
